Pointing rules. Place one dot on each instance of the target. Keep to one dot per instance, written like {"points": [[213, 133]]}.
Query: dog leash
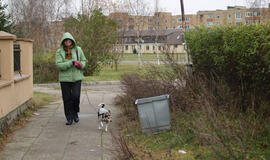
{"points": [[101, 134], [88, 99]]}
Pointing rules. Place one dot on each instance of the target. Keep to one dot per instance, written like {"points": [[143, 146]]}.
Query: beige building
{"points": [[16, 76], [235, 15], [151, 41], [159, 21]]}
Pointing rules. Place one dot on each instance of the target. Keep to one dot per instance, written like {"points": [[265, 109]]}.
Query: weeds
{"points": [[207, 120]]}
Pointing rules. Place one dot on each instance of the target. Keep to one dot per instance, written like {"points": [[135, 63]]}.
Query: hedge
{"points": [[238, 54]]}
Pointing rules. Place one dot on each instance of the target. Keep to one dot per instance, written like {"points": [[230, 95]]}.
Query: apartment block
{"points": [[158, 21], [235, 15]]}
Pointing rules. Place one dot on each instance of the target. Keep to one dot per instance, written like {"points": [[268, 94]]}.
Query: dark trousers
{"points": [[71, 92]]}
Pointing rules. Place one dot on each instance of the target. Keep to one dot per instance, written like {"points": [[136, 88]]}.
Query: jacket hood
{"points": [[67, 35]]}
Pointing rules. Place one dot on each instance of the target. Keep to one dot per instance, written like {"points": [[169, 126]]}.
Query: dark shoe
{"points": [[76, 119], [69, 122]]}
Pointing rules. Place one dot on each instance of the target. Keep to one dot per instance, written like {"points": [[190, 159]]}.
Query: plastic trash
{"points": [[182, 151]]}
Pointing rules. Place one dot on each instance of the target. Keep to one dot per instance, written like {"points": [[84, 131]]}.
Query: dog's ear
{"points": [[101, 105]]}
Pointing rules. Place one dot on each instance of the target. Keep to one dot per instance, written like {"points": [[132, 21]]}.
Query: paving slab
{"points": [[46, 137]]}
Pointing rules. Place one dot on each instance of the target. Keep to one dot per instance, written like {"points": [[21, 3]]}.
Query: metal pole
{"points": [[183, 15], [189, 69], [82, 6]]}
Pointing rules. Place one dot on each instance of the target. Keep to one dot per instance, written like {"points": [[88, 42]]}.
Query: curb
{"points": [[57, 85]]}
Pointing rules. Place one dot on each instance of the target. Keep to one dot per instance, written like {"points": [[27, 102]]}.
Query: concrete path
{"points": [[46, 137], [149, 62]]}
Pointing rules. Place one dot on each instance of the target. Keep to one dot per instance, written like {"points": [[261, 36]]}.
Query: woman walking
{"points": [[70, 61]]}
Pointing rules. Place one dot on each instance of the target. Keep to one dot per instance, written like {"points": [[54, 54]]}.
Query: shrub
{"points": [[45, 69], [239, 55], [96, 34], [205, 115]]}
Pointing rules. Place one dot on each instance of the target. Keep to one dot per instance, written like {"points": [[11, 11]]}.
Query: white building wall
{"points": [[150, 48]]}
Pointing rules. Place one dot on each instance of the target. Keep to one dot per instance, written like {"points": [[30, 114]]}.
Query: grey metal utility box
{"points": [[154, 113]]}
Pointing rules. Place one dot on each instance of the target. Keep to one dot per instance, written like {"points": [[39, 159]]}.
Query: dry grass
{"points": [[207, 121]]}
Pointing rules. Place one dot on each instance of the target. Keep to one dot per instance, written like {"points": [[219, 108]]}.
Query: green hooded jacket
{"points": [[68, 72]]}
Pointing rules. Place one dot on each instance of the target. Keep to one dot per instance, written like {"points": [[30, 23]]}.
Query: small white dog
{"points": [[104, 116]]}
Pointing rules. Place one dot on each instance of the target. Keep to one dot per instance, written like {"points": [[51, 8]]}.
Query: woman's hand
{"points": [[77, 64]]}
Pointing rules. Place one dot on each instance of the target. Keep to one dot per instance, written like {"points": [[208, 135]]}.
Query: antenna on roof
{"points": [[156, 5]]}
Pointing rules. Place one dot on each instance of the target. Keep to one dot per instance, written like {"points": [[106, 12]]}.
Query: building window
{"points": [[249, 21], [238, 23], [173, 27], [218, 23], [159, 47], [187, 19], [218, 16], [166, 27], [201, 16], [256, 14], [210, 16], [130, 28], [147, 48], [150, 28], [17, 57], [126, 47], [210, 23], [130, 20], [238, 15], [175, 46], [120, 21], [229, 16], [180, 27], [179, 19], [249, 14], [153, 47], [187, 26], [166, 21], [150, 20]]}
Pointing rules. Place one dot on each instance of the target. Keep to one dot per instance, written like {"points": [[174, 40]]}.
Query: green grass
{"points": [[110, 74], [41, 99], [178, 138], [182, 136], [151, 57]]}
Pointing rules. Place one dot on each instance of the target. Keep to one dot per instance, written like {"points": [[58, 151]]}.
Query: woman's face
{"points": [[68, 42]]}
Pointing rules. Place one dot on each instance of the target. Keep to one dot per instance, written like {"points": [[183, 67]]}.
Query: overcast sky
{"points": [[192, 6]]}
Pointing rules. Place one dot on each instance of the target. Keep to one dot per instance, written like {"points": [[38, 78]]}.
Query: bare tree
{"points": [[259, 8], [257, 3], [39, 20], [157, 28], [107, 7], [139, 9], [122, 21]]}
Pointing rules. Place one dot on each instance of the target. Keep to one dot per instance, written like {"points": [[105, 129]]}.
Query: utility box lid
{"points": [[151, 99], [154, 113]]}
